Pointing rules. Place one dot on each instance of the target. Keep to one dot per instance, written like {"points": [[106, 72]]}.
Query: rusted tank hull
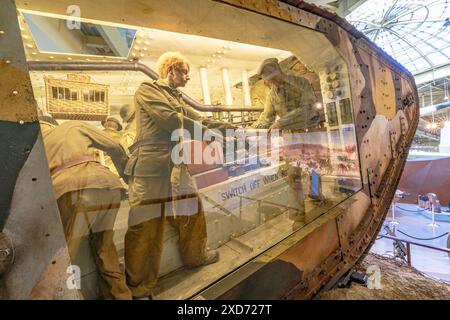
{"points": [[385, 108]]}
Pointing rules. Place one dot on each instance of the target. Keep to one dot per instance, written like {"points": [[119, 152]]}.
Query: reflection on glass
{"points": [[53, 35], [332, 114], [306, 166], [346, 111]]}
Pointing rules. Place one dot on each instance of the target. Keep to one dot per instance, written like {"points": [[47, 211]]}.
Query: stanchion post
{"points": [[433, 222], [408, 253], [393, 221]]}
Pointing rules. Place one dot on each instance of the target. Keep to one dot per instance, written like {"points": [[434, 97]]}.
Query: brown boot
{"points": [[211, 256]]}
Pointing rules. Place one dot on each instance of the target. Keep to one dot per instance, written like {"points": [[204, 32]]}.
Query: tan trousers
{"points": [[150, 205], [88, 216]]}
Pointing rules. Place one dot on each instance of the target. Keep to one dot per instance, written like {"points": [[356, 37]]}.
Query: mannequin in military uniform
{"points": [[158, 189], [113, 129], [88, 197], [292, 99], [128, 115]]}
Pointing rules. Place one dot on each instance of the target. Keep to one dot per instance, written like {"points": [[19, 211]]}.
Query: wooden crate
{"points": [[77, 98]]}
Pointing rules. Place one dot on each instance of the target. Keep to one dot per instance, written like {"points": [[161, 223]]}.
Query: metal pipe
{"points": [[127, 66], [408, 253], [205, 86], [246, 89], [227, 87]]}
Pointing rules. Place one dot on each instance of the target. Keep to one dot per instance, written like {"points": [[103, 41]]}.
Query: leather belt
{"points": [[147, 142], [74, 162]]}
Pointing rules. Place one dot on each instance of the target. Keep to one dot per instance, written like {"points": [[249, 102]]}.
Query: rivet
{"points": [[21, 122], [8, 61], [2, 32], [15, 92]]}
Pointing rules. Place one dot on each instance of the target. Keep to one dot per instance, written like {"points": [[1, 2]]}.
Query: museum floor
{"points": [[415, 222]]}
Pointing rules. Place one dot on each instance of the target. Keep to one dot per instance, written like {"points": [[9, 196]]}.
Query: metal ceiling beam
{"points": [[418, 21], [412, 46], [348, 6], [430, 75], [115, 41]]}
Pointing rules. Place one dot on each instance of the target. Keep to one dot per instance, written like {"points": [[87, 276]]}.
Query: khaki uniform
{"points": [[129, 135], [116, 136], [154, 180], [293, 102], [89, 198]]}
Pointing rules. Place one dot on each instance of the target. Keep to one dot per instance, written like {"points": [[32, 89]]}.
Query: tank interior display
{"points": [[258, 187]]}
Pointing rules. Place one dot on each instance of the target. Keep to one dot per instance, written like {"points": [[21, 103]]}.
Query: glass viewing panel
{"points": [[54, 35], [254, 194]]}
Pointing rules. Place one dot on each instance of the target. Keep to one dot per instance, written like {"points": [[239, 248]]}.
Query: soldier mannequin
{"points": [[154, 179], [128, 115], [88, 197], [113, 128], [292, 99]]}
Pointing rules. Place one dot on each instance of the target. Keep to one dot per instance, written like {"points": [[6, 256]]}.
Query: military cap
{"points": [[272, 63], [126, 112], [113, 119]]}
